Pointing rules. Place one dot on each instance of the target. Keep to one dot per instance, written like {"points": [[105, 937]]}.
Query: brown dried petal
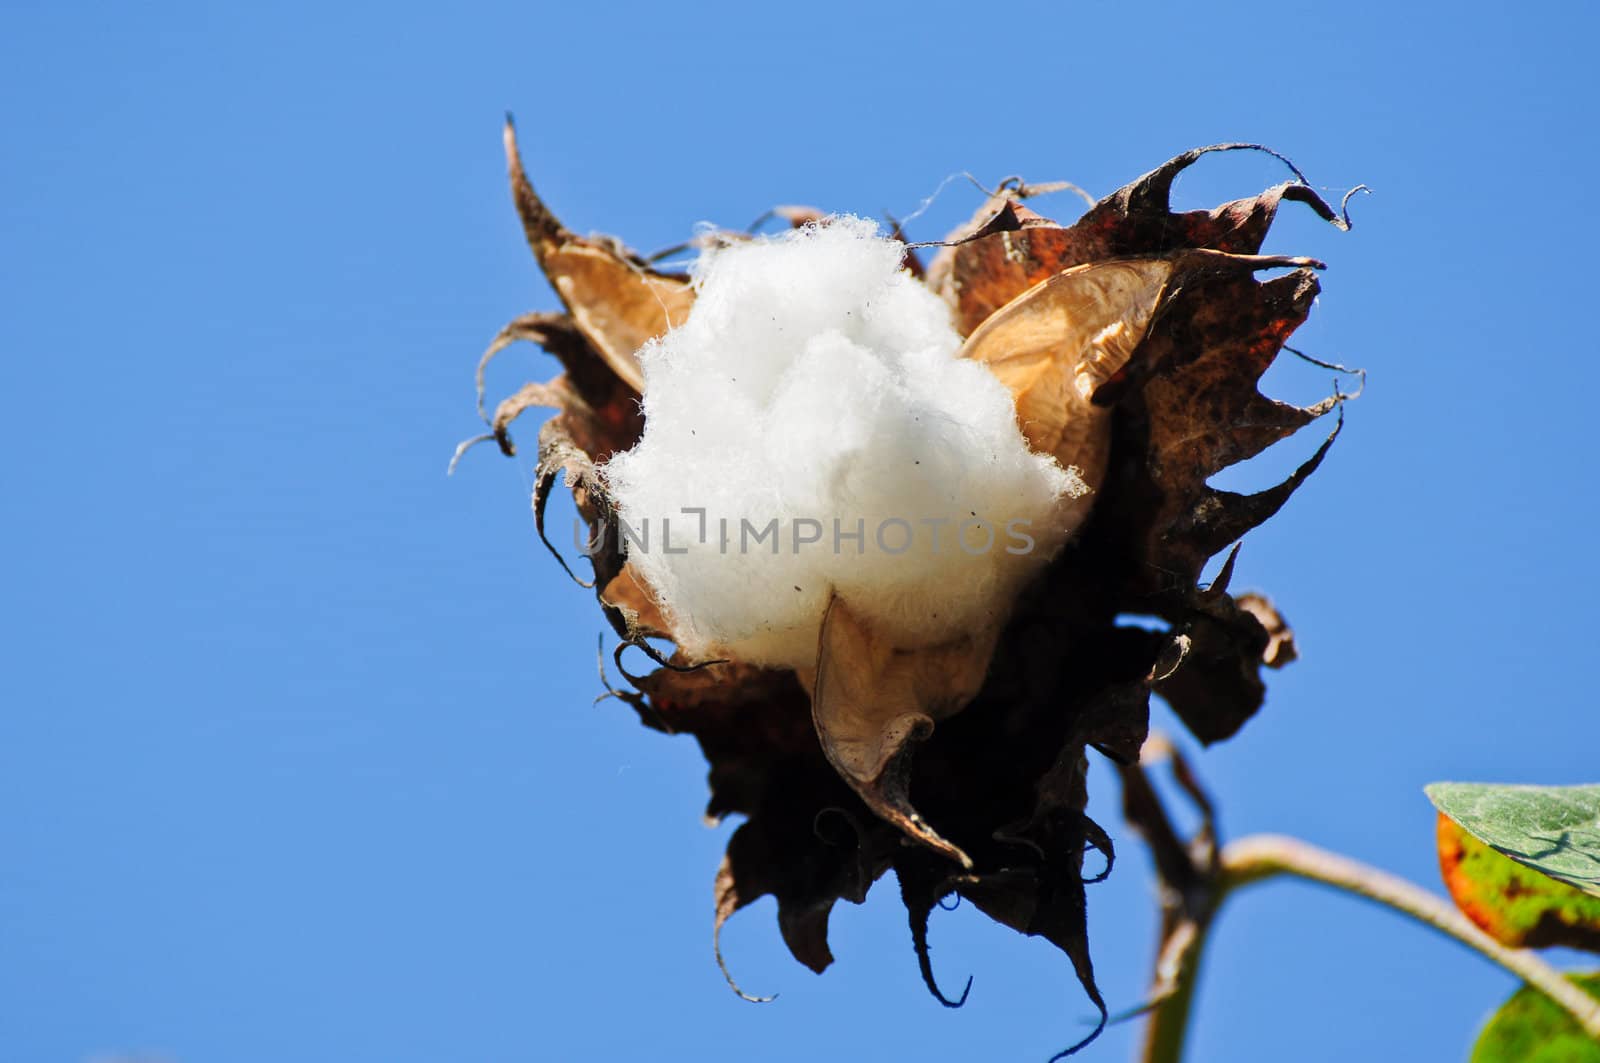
{"points": [[870, 701], [802, 841], [1056, 343], [1280, 637], [1217, 685]]}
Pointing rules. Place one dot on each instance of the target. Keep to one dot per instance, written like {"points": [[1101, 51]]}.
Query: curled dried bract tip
{"points": [[919, 942], [727, 904], [462, 448], [921, 884], [1344, 205], [1099, 1028], [560, 456]]}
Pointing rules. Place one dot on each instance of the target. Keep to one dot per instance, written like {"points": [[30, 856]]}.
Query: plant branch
{"points": [[1176, 969], [1255, 859]]}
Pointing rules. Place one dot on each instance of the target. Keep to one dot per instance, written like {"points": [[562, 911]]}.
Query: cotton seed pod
{"points": [[1130, 344]]}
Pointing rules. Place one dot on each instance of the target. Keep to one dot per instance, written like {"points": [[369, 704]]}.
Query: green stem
{"points": [[1178, 966], [1265, 856]]}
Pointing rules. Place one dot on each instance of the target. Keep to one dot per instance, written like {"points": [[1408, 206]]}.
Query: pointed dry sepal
{"points": [[617, 301]]}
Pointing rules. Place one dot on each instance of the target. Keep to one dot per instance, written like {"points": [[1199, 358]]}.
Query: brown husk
{"points": [[998, 779]]}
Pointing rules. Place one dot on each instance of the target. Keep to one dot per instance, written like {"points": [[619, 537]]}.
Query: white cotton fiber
{"points": [[815, 384]]}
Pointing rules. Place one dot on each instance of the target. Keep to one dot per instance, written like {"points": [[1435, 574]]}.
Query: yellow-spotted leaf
{"points": [[1513, 904]]}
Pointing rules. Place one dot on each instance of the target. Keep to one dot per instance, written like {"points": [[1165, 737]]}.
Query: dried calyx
{"points": [[1129, 344]]}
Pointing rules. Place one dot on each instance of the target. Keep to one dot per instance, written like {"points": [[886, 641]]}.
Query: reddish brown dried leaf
{"points": [[984, 273], [1216, 340]]}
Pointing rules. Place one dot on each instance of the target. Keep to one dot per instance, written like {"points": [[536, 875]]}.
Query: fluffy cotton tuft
{"points": [[815, 385]]}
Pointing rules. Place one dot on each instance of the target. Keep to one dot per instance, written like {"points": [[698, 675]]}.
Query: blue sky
{"points": [[297, 759]]}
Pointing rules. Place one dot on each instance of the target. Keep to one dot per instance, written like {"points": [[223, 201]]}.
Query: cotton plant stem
{"points": [[1262, 856], [1265, 856], [1168, 1024]]}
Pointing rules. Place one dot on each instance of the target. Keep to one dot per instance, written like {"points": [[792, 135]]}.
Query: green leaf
{"points": [[1553, 829], [1515, 905], [1532, 1028]]}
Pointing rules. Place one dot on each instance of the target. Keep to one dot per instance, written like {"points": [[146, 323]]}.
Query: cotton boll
{"points": [[813, 407]]}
